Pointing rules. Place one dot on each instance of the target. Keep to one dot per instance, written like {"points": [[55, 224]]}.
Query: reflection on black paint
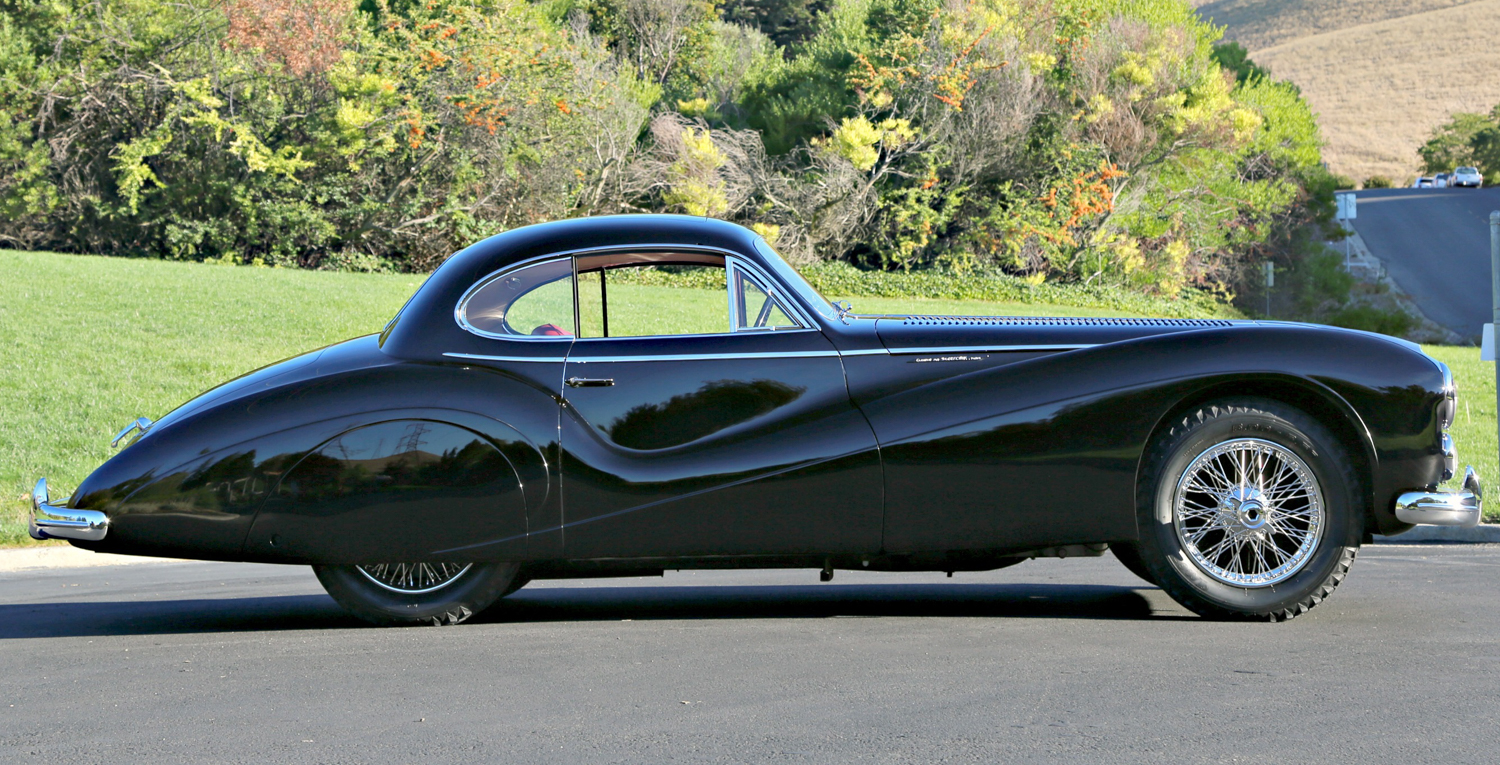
{"points": [[394, 459], [717, 405]]}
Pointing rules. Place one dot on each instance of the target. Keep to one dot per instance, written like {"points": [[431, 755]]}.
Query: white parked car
{"points": [[1425, 182], [1467, 176], [1440, 181]]}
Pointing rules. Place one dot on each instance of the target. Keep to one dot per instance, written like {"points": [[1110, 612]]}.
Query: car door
{"points": [[704, 415]]}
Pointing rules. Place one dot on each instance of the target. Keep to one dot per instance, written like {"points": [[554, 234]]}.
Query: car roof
{"points": [[429, 314]]}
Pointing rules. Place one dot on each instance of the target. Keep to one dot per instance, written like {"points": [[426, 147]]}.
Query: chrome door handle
{"points": [[590, 382]]}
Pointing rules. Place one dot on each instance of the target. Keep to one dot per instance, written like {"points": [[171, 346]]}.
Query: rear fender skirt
{"points": [[408, 484], [208, 506]]}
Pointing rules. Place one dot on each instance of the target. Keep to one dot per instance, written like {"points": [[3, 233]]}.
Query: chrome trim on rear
{"points": [[1438, 508], [55, 521], [142, 424], [1450, 458]]}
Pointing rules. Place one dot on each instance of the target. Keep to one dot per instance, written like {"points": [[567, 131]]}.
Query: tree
{"points": [[1451, 144], [1235, 59], [788, 23]]}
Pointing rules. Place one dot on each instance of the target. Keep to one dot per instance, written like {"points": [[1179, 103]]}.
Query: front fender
{"points": [[1047, 450]]}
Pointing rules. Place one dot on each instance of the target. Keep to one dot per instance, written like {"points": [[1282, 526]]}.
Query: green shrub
{"points": [[1372, 319], [1089, 142], [1378, 182]]}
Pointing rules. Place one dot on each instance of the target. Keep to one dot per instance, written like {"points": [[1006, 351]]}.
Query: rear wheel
{"points": [[1250, 509], [415, 593]]}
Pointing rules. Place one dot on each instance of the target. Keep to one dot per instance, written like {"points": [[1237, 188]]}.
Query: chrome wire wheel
{"points": [[414, 578], [1249, 513]]}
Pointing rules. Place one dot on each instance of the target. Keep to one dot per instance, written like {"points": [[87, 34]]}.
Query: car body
{"points": [[1424, 182], [493, 421], [1440, 181], [1467, 177]]}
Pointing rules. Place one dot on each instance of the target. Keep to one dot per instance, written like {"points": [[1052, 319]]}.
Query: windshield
{"points": [[789, 275]]}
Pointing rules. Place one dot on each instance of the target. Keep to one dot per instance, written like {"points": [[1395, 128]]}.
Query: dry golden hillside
{"points": [[1380, 73]]}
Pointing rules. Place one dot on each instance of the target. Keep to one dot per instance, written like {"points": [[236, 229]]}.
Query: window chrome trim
{"points": [[731, 259], [463, 301], [767, 285]]}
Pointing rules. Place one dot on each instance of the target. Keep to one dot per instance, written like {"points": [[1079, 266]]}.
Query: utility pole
{"points": [[1270, 282], [1495, 301]]}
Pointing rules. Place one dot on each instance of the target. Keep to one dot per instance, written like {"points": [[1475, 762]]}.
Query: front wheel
{"points": [[1249, 509], [437, 594]]}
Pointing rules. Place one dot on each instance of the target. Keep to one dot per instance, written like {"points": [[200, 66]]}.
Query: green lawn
{"points": [[1474, 425], [92, 343]]}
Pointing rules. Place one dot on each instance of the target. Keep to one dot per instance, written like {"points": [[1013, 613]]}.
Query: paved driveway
{"points": [[1436, 245], [1050, 661]]}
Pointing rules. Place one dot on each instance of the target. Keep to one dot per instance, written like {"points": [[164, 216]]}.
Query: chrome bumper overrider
{"points": [[1441, 508], [49, 521]]}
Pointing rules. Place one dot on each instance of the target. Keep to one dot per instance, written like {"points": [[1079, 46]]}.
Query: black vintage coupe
{"points": [[623, 395]]}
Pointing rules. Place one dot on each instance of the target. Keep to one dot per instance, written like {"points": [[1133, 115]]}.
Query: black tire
{"points": [[1311, 576], [1129, 555], [520, 580], [466, 595]]}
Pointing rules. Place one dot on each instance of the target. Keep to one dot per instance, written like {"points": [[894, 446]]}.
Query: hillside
{"points": [[1380, 73]]}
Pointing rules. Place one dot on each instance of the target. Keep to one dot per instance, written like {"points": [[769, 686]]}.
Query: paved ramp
{"points": [[1436, 245]]}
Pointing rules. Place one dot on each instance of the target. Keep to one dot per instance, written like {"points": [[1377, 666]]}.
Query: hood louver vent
{"points": [[1025, 321]]}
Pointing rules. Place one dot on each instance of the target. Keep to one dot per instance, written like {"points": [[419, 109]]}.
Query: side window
{"points": [[757, 309], [536, 301], [624, 297]]}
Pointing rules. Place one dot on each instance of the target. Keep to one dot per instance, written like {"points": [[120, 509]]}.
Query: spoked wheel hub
{"points": [[414, 578], [1249, 512]]}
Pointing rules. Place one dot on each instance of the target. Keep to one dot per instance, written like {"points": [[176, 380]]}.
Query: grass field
{"points": [[1380, 73], [95, 342], [1474, 424]]}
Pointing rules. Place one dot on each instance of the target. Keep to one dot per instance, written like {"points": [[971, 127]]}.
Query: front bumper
{"points": [[1439, 508], [56, 521]]}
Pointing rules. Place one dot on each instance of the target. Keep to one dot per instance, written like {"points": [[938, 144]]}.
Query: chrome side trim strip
{"points": [[772, 354], [706, 356], [981, 349], [743, 332], [482, 357], [654, 357], [991, 349], [49, 521], [1442, 508]]}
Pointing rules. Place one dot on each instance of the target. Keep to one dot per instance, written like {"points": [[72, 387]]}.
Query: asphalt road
{"points": [[1436, 244], [1052, 660]]}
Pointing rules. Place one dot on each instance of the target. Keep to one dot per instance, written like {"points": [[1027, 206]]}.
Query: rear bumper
{"points": [[56, 521], [1439, 508]]}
